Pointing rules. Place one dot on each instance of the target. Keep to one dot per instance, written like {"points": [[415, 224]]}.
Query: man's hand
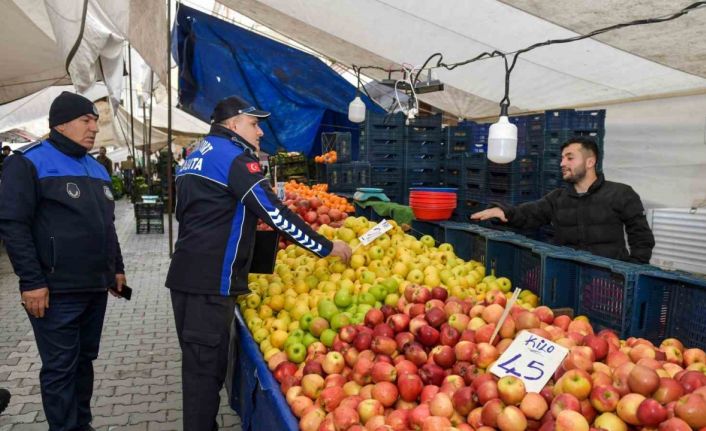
{"points": [[36, 301], [342, 250], [120, 281], [490, 213]]}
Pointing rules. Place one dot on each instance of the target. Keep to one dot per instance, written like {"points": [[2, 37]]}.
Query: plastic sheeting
{"points": [[217, 59]]}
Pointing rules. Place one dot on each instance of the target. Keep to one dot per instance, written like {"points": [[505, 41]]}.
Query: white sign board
{"points": [[531, 358], [375, 232]]}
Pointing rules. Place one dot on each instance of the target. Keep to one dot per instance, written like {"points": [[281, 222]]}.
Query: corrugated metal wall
{"points": [[680, 236]]}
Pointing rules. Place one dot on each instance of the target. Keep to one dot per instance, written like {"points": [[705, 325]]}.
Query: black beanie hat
{"points": [[69, 106]]}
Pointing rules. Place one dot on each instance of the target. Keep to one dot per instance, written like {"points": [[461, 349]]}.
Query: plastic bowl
{"points": [[432, 214]]}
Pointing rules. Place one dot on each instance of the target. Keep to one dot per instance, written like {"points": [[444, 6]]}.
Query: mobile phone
{"points": [[126, 292]]}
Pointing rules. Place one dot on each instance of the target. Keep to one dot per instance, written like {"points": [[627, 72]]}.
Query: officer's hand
{"points": [[490, 213], [342, 250], [120, 281], [36, 301]]}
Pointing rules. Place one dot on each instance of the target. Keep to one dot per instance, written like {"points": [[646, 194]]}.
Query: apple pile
{"points": [[423, 366], [314, 205]]}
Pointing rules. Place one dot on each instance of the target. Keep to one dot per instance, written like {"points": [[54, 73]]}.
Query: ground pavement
{"points": [[137, 373]]}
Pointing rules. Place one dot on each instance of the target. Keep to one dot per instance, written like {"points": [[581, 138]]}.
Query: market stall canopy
{"points": [[218, 59], [658, 60], [53, 42]]}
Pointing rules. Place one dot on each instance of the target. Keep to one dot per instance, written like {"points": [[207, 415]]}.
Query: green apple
{"points": [[327, 308], [260, 334], [308, 339], [504, 283], [392, 299], [363, 308], [427, 241], [327, 337], [305, 321], [340, 320], [366, 298], [318, 325], [296, 352], [378, 291], [343, 298], [376, 252], [391, 285], [446, 247], [367, 277], [415, 276]]}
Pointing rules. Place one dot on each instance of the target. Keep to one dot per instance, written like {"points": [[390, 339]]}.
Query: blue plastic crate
{"points": [[423, 147], [453, 164], [535, 124], [551, 161], [518, 258], [432, 122], [589, 120], [475, 175], [512, 194], [346, 177], [602, 289], [381, 150], [558, 119], [423, 160], [526, 164], [457, 139], [422, 175], [670, 304], [476, 160], [378, 122], [512, 179], [551, 180], [554, 139], [469, 241], [382, 175]]}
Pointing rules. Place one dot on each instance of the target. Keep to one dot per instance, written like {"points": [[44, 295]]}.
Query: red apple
{"points": [[441, 405], [598, 344], [331, 397], [410, 386], [443, 356], [674, 424], [692, 409], [449, 336], [627, 408], [463, 400], [383, 345], [487, 391], [345, 417], [643, 380], [432, 374], [569, 420], [384, 372], [534, 406], [604, 398], [563, 402], [435, 316], [512, 419], [669, 390], [285, 369], [439, 293], [374, 317], [428, 336], [692, 380], [418, 415], [416, 354], [651, 413], [511, 390]]}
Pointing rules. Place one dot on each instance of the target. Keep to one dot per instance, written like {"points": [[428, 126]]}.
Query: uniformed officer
{"points": [[221, 193], [56, 218]]}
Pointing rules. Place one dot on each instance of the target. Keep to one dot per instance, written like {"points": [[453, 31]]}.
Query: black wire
{"points": [[505, 102]]}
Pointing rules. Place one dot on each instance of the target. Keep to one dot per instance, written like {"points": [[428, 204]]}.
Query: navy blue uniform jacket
{"points": [[57, 218], [221, 193]]}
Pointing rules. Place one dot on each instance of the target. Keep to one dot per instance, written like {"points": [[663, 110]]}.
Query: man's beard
{"points": [[577, 175]]}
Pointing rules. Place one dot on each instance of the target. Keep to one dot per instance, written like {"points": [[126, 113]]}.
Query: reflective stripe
{"points": [[231, 253]]}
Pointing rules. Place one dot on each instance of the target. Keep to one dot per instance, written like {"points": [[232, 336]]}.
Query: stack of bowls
{"points": [[432, 203]]}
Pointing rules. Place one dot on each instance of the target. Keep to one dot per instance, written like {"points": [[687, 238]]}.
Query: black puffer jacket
{"points": [[595, 221]]}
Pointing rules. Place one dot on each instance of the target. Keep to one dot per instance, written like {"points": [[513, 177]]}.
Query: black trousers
{"points": [[203, 325], [68, 337]]}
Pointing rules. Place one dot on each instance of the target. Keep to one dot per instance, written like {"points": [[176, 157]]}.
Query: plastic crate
{"points": [[469, 241], [551, 180], [346, 177], [551, 161], [367, 212], [390, 150], [340, 142], [589, 120], [149, 210], [512, 179], [422, 174], [432, 122], [600, 288], [433, 229], [383, 122], [425, 147], [535, 124], [558, 119], [526, 164], [518, 258], [474, 190], [670, 304], [382, 175], [458, 139], [475, 175], [511, 195], [476, 160], [554, 139]]}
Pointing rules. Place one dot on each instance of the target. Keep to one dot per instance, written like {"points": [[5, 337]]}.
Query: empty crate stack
{"points": [[381, 145], [423, 153]]}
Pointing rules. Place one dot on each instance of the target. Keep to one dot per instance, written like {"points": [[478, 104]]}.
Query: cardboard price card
{"points": [[375, 232], [531, 358]]}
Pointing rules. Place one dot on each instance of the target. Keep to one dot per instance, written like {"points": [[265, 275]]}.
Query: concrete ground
{"points": [[138, 371]]}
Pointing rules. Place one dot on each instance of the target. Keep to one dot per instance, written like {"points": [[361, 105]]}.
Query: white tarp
{"points": [[40, 35]]}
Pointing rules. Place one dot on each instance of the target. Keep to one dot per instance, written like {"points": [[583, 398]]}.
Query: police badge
{"points": [[72, 190], [107, 192]]}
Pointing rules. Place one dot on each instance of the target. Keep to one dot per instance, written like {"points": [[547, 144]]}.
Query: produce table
{"points": [[255, 394]]}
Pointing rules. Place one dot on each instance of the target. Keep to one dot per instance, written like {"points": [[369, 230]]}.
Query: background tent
{"points": [[217, 59]]}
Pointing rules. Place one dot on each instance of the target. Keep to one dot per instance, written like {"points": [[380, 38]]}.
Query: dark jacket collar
{"points": [[66, 145], [592, 189], [223, 132]]}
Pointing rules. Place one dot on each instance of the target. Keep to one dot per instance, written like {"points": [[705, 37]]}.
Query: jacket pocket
{"points": [[205, 349]]}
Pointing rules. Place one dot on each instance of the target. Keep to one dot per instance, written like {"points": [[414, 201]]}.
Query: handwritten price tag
{"points": [[375, 232], [531, 358]]}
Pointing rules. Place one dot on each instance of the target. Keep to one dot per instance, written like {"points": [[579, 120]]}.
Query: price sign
{"points": [[531, 358]]}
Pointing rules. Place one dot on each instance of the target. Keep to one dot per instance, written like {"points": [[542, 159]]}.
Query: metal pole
{"points": [[149, 137], [132, 118], [169, 125], [144, 145]]}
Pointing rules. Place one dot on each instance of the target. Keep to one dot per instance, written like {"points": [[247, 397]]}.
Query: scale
{"points": [[363, 194]]}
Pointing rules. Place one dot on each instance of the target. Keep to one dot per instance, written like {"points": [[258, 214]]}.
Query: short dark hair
{"points": [[6, 147], [586, 143]]}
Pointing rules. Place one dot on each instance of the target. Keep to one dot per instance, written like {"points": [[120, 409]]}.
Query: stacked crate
{"points": [[424, 152], [513, 183], [382, 145]]}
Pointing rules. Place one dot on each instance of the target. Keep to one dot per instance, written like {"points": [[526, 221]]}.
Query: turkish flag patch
{"points": [[253, 167]]}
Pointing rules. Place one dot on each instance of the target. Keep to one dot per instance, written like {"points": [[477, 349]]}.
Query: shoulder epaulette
{"points": [[26, 148]]}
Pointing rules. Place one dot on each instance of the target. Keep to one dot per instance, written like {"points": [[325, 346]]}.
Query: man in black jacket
{"points": [[56, 218], [221, 193], [590, 214]]}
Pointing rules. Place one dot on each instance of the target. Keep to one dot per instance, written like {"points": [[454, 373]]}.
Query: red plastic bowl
{"points": [[433, 194], [431, 201], [432, 205], [432, 214]]}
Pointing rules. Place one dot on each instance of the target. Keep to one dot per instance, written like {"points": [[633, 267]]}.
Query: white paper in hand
{"points": [[531, 358], [375, 232]]}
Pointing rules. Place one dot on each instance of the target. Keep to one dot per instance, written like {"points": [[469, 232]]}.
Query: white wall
{"points": [[659, 148]]}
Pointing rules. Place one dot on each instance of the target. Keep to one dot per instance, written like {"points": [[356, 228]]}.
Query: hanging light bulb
{"points": [[502, 141], [356, 110]]}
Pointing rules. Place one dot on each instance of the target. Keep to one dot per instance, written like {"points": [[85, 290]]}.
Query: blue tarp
{"points": [[217, 59]]}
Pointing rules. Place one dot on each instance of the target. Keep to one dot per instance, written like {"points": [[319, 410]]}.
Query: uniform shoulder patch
{"points": [[253, 167], [26, 148]]}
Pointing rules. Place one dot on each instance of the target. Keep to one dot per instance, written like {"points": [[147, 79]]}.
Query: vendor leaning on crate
{"points": [[221, 193], [590, 214], [56, 218]]}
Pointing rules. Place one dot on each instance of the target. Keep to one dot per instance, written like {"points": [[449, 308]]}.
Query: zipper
{"points": [[52, 252]]}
